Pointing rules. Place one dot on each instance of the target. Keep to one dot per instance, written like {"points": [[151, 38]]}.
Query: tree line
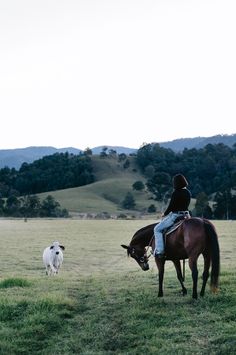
{"points": [[50, 173], [31, 206], [211, 173]]}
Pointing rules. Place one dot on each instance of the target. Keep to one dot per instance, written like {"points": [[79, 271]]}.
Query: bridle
{"points": [[145, 257], [141, 259]]}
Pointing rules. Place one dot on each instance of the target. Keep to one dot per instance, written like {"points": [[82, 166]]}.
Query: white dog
{"points": [[53, 258]]}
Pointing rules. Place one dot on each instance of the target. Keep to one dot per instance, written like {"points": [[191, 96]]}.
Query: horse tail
{"points": [[215, 254]]}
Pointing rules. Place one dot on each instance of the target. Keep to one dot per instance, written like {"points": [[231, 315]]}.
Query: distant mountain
{"points": [[14, 158], [178, 145], [229, 140]]}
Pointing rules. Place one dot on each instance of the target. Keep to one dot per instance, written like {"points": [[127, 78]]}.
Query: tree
{"points": [[49, 207], [224, 205], [197, 189], [103, 153], [138, 185], [159, 185], [126, 164], [88, 151], [2, 204], [12, 206], [128, 202], [30, 206], [233, 207], [152, 209], [122, 157], [201, 204], [149, 171], [112, 153]]}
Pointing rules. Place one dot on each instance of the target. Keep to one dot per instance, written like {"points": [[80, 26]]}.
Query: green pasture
{"points": [[107, 192], [101, 302], [102, 196], [105, 196]]}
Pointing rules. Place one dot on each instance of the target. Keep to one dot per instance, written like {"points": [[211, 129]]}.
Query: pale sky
{"points": [[86, 73]]}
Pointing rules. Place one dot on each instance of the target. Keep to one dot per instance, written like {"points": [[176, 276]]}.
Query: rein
{"points": [[149, 245]]}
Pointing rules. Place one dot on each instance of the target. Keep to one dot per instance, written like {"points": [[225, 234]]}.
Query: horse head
{"points": [[139, 254]]}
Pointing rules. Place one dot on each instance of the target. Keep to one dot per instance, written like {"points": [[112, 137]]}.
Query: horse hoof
{"points": [[160, 294], [184, 292]]}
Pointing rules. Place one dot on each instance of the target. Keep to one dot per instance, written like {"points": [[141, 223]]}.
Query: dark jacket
{"points": [[180, 200]]}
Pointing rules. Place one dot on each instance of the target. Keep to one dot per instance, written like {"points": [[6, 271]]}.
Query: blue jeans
{"points": [[166, 222]]}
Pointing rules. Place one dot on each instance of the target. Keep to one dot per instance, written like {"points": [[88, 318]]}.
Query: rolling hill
{"points": [[108, 191], [14, 158], [106, 194]]}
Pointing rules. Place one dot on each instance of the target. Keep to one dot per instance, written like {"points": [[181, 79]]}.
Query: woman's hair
{"points": [[179, 181]]}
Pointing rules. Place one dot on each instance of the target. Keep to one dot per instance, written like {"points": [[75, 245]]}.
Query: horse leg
{"points": [[161, 268], [205, 274], [180, 276], [193, 267]]}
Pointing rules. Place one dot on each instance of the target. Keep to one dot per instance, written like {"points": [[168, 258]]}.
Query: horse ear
{"points": [[124, 246]]}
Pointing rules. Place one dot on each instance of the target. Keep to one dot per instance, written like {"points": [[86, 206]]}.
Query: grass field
{"points": [[102, 302]]}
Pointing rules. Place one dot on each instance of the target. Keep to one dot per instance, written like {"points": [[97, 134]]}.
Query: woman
{"points": [[178, 206]]}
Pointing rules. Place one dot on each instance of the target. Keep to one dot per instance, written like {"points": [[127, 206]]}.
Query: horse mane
{"points": [[143, 233]]}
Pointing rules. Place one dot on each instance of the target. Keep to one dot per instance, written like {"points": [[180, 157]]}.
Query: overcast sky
{"points": [[85, 73]]}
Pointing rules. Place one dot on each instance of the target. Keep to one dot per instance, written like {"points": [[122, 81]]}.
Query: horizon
{"points": [[118, 146]]}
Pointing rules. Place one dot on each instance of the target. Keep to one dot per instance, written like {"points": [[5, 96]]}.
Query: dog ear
{"points": [[62, 247]]}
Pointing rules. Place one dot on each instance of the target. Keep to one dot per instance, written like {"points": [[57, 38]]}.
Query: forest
{"points": [[211, 172]]}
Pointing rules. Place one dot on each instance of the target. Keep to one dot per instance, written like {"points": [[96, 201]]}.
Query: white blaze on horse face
{"points": [[141, 258]]}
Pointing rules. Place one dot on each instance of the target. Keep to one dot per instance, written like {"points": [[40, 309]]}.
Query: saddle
{"points": [[176, 225]]}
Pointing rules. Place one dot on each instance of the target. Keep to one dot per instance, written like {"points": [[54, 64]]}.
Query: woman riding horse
{"points": [[178, 206], [193, 237]]}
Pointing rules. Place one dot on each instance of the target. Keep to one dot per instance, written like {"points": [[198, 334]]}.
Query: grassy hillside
{"points": [[107, 193]]}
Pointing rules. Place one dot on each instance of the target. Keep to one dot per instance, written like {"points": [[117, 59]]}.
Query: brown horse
{"points": [[195, 236]]}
